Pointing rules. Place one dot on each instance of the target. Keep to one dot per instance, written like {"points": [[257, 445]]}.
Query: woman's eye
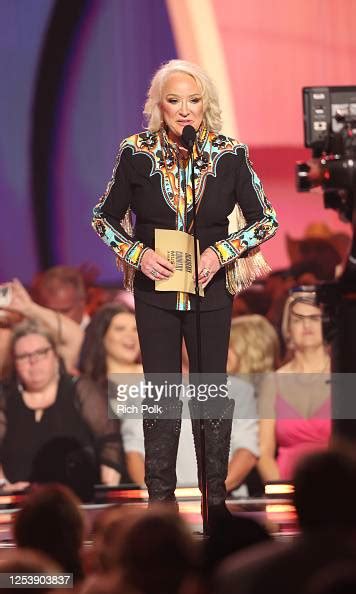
{"points": [[196, 100], [172, 100]]}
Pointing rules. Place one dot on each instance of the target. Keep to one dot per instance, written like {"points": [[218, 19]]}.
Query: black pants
{"points": [[161, 332]]}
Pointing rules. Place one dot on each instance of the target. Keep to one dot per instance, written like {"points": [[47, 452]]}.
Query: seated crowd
{"points": [[153, 551], [65, 343]]}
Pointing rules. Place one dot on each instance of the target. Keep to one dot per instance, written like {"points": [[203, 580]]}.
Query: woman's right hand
{"points": [[155, 267]]}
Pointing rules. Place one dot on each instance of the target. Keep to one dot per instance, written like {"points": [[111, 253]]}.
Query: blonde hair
{"points": [[255, 343], [211, 107]]}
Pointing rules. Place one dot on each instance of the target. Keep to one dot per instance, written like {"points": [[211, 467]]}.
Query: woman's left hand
{"points": [[209, 265]]}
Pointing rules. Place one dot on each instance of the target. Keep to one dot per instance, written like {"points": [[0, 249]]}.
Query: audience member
{"points": [[253, 300], [69, 335], [337, 578], [111, 348], [325, 493], [319, 244], [294, 403], [62, 289], [110, 525], [253, 351], [44, 411], [153, 550], [254, 346], [110, 583], [51, 522], [24, 561]]}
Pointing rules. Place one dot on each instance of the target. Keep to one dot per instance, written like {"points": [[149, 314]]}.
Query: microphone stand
{"points": [[203, 475]]}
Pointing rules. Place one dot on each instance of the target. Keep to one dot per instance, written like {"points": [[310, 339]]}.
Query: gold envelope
{"points": [[178, 248]]}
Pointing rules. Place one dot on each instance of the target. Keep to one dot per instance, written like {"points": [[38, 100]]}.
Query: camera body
{"points": [[330, 131], [326, 110]]}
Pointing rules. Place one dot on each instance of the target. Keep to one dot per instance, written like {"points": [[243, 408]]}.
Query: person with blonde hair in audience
{"points": [[253, 350], [254, 345], [295, 401]]}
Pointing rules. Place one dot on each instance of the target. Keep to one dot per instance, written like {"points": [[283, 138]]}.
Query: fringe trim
{"points": [[242, 272], [122, 265]]}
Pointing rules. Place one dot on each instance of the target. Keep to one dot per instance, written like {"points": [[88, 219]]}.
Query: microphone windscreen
{"points": [[188, 136]]}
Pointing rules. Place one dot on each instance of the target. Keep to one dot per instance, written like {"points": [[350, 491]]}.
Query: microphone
{"points": [[188, 137]]}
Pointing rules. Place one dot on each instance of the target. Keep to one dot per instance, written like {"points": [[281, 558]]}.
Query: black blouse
{"points": [[149, 180]]}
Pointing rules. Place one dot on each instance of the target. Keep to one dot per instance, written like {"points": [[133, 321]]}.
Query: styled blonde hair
{"points": [[255, 343], [211, 107]]}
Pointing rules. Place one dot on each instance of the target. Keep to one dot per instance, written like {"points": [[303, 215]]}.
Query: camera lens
{"points": [[302, 180]]}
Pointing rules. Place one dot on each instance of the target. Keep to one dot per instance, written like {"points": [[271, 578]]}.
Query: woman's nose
{"points": [[184, 110]]}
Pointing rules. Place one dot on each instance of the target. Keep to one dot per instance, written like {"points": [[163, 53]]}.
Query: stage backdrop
{"points": [[74, 77]]}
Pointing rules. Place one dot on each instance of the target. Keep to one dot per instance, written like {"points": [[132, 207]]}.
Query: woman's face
{"points": [[36, 362], [181, 104], [121, 340], [305, 326]]}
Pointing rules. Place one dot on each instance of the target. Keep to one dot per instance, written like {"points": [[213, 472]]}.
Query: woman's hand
{"points": [[155, 267], [209, 265]]}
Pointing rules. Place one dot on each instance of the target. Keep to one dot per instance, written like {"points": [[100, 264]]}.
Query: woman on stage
{"points": [[152, 179]]}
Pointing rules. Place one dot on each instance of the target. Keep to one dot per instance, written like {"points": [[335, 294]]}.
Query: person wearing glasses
{"points": [[44, 410], [294, 402], [68, 333]]}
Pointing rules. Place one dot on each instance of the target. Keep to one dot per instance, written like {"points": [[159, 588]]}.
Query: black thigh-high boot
{"points": [[217, 415], [161, 437]]}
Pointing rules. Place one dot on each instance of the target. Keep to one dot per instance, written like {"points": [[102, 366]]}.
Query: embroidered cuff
{"points": [[133, 255], [227, 251]]}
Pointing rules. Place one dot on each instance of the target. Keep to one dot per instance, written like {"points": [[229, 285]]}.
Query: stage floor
{"points": [[276, 514]]}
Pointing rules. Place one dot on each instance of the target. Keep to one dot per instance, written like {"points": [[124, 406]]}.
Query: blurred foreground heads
{"points": [[150, 551], [325, 495]]}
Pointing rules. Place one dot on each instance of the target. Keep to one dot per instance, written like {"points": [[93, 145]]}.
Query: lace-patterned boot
{"points": [[217, 415], [161, 437]]}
